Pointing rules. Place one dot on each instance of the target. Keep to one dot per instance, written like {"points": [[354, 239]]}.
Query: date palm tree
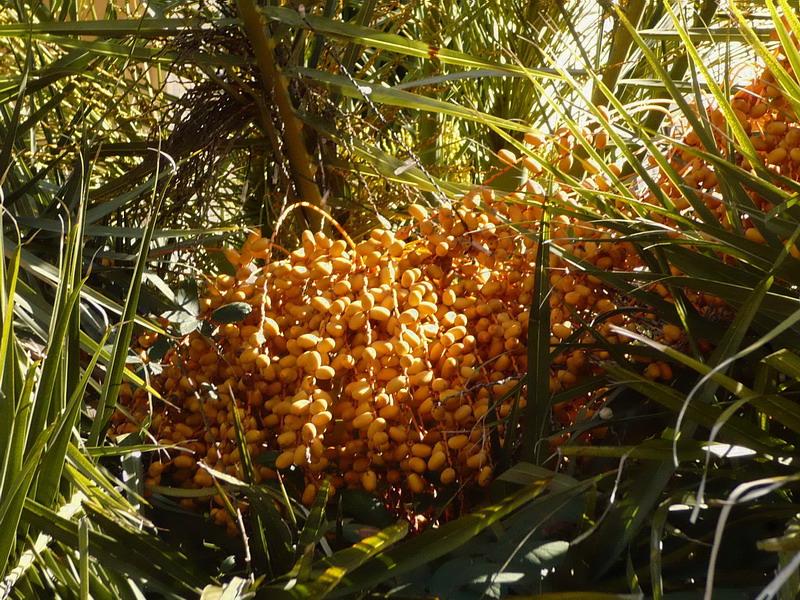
{"points": [[136, 139]]}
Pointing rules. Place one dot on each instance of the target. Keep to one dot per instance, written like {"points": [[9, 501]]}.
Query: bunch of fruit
{"points": [[385, 365]]}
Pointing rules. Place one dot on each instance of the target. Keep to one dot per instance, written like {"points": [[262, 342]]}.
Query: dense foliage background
{"points": [[139, 139]]}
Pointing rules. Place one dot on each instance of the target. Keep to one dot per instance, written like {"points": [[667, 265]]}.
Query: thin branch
{"points": [[274, 81]]}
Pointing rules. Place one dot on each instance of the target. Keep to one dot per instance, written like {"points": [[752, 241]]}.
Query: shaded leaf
{"points": [[234, 312]]}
